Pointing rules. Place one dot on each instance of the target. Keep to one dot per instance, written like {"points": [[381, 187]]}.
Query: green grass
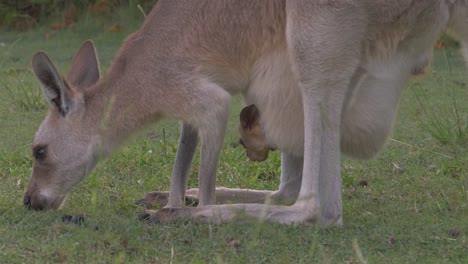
{"points": [[399, 217], [452, 126]]}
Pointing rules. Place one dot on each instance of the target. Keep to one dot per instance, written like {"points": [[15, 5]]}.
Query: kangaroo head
{"points": [[65, 147], [251, 134]]}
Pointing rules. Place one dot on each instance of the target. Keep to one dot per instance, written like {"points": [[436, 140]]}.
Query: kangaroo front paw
{"points": [[166, 215], [160, 199], [154, 200]]}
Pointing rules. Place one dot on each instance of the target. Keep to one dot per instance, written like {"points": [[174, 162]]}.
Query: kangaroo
{"points": [[252, 135], [343, 62]]}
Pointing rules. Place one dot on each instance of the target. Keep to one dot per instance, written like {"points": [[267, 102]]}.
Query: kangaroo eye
{"points": [[39, 152]]}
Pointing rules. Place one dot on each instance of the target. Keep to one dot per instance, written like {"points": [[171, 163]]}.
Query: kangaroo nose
{"points": [[27, 201]]}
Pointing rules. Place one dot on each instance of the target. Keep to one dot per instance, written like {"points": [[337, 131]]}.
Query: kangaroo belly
{"points": [[366, 122], [275, 93]]}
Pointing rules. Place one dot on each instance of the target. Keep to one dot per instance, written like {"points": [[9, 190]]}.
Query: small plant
{"points": [[445, 123], [24, 95]]}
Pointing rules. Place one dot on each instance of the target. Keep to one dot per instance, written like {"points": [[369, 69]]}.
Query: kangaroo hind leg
{"points": [[369, 114]]}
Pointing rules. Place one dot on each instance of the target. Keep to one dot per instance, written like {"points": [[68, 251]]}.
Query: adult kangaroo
{"points": [[346, 60]]}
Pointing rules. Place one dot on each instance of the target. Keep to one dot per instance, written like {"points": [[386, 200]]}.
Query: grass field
{"points": [[408, 205]]}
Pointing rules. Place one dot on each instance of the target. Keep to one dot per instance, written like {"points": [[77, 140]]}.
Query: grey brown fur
{"points": [[326, 76]]}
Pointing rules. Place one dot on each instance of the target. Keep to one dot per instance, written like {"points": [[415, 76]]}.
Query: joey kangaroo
{"points": [[252, 135], [343, 62]]}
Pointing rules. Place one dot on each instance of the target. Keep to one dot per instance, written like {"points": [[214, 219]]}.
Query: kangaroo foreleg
{"points": [[185, 152]]}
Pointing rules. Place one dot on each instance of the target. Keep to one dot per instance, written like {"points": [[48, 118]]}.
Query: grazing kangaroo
{"points": [[343, 63]]}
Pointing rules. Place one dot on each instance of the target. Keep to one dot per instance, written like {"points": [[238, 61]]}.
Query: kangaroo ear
{"points": [[53, 85], [84, 70], [249, 117]]}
